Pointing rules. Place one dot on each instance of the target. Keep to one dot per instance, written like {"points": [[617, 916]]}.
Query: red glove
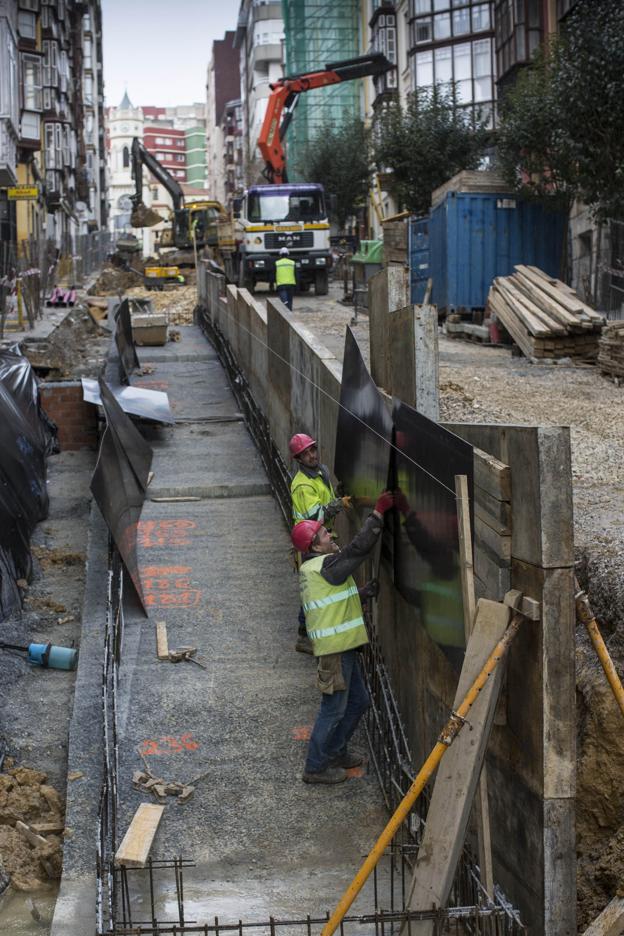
{"points": [[384, 502]]}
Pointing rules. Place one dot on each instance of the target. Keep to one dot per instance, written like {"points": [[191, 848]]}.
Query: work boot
{"points": [[329, 775], [304, 644], [348, 760]]}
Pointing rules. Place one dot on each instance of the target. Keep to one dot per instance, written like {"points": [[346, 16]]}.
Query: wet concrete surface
{"points": [[218, 571]]}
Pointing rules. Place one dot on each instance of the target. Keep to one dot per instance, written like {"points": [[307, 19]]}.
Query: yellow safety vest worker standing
{"points": [[285, 278]]}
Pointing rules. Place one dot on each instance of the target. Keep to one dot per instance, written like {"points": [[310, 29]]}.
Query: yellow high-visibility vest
{"points": [[333, 613], [285, 272]]}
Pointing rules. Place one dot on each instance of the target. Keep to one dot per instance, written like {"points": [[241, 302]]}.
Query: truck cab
{"points": [[289, 215]]}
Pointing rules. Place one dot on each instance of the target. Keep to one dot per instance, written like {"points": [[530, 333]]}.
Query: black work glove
{"points": [[334, 507], [370, 590]]}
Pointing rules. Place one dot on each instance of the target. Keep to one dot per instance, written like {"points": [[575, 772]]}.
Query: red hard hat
{"points": [[303, 533], [299, 443]]}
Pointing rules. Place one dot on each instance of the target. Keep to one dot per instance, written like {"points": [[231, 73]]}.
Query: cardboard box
{"points": [[149, 329]]}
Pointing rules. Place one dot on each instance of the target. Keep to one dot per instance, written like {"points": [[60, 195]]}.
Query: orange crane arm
{"points": [[284, 97]]}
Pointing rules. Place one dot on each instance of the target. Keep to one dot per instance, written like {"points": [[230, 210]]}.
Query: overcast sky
{"points": [[158, 50]]}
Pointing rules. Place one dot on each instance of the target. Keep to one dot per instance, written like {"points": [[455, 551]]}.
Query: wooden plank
{"points": [[507, 284], [610, 922], [458, 774], [545, 301], [137, 842], [493, 512], [525, 311], [499, 545], [568, 290], [426, 361], [162, 645], [492, 475], [481, 805], [495, 575]]}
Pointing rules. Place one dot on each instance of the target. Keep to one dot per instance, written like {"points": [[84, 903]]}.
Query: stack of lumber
{"points": [[545, 318], [611, 350]]}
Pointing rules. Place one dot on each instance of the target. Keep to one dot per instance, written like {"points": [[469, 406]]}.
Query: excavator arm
{"points": [[141, 215], [284, 97]]}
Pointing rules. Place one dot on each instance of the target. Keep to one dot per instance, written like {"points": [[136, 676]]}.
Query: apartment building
{"points": [[223, 89], [260, 40], [51, 119]]}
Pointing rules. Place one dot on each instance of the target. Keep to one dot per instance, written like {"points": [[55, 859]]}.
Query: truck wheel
{"points": [[321, 285]]}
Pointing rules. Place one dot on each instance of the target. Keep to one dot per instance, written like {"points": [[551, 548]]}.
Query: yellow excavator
{"points": [[194, 225]]}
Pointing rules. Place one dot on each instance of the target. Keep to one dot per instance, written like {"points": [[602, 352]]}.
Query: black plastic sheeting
{"points": [[128, 360], [27, 437], [364, 431], [120, 480], [426, 539], [418, 459]]}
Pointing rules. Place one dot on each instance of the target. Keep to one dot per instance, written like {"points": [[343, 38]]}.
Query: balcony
{"points": [[8, 155], [30, 130], [266, 52], [267, 11]]}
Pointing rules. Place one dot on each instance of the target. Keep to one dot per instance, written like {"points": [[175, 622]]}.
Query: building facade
{"points": [[260, 40], [223, 87], [51, 120]]}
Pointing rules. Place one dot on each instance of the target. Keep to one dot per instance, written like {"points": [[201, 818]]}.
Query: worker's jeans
{"points": [[338, 717], [285, 293]]}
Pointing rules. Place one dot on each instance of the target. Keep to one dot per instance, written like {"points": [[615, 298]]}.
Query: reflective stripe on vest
{"points": [[333, 613], [285, 272], [309, 496]]}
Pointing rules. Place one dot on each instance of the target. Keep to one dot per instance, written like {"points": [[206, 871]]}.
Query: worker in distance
{"points": [[313, 498], [285, 277], [335, 625]]}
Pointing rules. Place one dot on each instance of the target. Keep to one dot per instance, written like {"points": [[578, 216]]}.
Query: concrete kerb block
{"points": [[229, 327], [259, 365], [280, 380], [306, 357], [245, 303], [330, 382]]}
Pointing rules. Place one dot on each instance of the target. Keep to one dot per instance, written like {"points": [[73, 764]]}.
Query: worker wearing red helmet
{"points": [[313, 498], [335, 626]]}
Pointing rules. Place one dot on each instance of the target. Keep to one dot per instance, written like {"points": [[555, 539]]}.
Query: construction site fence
{"points": [[30, 270]]}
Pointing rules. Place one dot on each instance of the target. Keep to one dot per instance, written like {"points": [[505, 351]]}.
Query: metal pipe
{"points": [[448, 734]]}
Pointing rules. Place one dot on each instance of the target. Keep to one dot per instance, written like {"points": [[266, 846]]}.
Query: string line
{"points": [[338, 403]]}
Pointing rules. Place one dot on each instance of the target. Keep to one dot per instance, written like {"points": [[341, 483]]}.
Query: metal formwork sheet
{"points": [[426, 538], [363, 432]]}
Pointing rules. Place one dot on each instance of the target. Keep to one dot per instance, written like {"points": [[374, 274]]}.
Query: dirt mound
{"points": [[31, 824], [600, 794], [76, 348], [112, 282]]}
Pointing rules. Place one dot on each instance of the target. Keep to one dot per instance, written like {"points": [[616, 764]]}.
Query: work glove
{"points": [[384, 502], [334, 507], [370, 590]]}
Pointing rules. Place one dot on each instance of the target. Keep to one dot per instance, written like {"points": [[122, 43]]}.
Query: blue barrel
{"points": [[46, 654]]}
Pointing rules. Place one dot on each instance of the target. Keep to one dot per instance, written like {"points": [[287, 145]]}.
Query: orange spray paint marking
{"points": [[152, 533], [153, 384], [169, 587], [354, 772], [302, 733], [168, 745]]}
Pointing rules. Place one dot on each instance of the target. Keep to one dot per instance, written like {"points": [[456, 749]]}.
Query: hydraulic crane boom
{"points": [[284, 97]]}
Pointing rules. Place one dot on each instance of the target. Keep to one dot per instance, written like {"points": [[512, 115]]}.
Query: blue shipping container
{"points": [[474, 237]]}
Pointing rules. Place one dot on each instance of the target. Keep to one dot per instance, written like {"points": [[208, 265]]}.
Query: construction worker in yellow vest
{"points": [[285, 278], [335, 625], [313, 498]]}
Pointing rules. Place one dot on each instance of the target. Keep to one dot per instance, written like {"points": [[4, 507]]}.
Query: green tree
{"points": [[422, 145], [589, 87], [339, 158], [561, 133], [534, 149]]}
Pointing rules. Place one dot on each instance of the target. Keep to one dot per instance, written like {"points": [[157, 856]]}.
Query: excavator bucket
{"points": [[142, 216]]}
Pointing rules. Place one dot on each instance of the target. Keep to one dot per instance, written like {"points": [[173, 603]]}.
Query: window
{"points": [[424, 69], [87, 86], [441, 4], [421, 6], [442, 26], [423, 31], [482, 69], [87, 58], [462, 68], [481, 17], [125, 157], [31, 126], [444, 65], [461, 21], [27, 25], [31, 79], [30, 5], [50, 63]]}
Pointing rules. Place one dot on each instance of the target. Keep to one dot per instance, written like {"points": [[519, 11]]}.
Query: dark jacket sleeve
{"points": [[337, 567]]}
